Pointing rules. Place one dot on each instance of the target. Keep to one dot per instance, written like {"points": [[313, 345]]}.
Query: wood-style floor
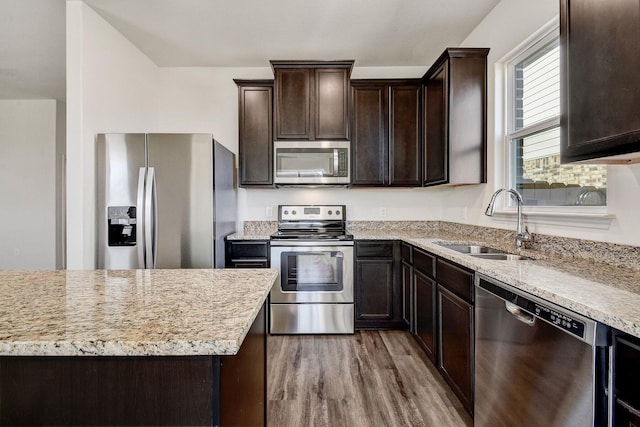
{"points": [[372, 378]]}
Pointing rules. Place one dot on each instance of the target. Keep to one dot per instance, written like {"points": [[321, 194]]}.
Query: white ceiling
{"points": [[235, 33]]}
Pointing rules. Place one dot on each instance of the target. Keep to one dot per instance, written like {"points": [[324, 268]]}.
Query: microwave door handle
{"points": [[336, 162]]}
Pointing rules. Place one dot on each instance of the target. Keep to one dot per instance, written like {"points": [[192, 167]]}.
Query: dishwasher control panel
{"points": [[558, 319]]}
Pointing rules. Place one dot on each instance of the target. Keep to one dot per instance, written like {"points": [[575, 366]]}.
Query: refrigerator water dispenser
{"points": [[122, 225]]}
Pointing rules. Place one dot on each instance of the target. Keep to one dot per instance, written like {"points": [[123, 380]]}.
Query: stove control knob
{"points": [[337, 212], [286, 212], [293, 212], [330, 212]]}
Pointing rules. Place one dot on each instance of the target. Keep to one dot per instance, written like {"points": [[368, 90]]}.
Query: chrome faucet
{"points": [[521, 235]]}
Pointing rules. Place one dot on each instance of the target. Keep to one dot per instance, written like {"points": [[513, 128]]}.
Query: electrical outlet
{"points": [[383, 212], [268, 212]]}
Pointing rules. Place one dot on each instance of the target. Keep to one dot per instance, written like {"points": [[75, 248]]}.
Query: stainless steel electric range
{"points": [[314, 255]]}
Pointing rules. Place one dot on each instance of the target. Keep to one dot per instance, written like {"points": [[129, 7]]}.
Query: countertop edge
{"points": [[169, 347]]}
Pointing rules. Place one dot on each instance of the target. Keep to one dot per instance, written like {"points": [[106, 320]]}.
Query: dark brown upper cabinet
{"points": [[255, 117], [600, 98], [311, 100], [386, 132], [455, 118]]}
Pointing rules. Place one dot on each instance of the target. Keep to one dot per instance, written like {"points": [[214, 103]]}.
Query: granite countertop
{"points": [[129, 312], [249, 236], [603, 292]]}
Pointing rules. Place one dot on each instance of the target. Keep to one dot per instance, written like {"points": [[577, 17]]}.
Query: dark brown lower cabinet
{"points": [[407, 295], [138, 390], [378, 300], [625, 366], [425, 313], [455, 344], [375, 289]]}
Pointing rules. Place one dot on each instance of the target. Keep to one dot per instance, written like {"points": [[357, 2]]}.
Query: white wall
{"points": [[113, 87], [30, 148]]}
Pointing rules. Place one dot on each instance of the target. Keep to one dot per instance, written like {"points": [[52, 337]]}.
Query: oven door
{"points": [[312, 272]]}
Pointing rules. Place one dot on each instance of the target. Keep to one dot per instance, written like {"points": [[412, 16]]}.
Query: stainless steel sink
{"points": [[485, 252], [500, 257], [471, 249]]}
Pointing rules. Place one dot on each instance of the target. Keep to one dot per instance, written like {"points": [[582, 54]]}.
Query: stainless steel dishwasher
{"points": [[536, 364]]}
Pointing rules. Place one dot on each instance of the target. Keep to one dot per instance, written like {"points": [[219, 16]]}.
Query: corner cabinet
{"points": [[311, 100], [377, 285], [600, 59], [455, 118], [386, 133], [255, 118]]}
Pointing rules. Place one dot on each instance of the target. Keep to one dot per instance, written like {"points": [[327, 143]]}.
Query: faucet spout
{"points": [[522, 232]]}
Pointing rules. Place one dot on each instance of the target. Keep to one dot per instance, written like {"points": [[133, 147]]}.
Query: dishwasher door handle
{"points": [[518, 313]]}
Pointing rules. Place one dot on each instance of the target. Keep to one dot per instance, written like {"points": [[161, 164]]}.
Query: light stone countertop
{"points": [[129, 312], [249, 236], [602, 292]]}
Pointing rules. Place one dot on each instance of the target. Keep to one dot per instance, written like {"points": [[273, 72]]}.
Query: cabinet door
{"points": [[455, 344], [256, 134], [425, 312], [626, 379], [369, 136], [466, 131], [600, 58], [331, 103], [407, 295], [405, 168], [293, 103], [436, 161], [374, 289]]}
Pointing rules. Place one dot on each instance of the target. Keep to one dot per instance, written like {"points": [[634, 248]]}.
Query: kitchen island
{"points": [[135, 347]]}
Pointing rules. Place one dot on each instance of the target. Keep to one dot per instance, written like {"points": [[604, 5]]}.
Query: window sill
{"points": [[592, 219]]}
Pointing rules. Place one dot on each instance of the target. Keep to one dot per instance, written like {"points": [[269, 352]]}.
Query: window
{"points": [[533, 137]]}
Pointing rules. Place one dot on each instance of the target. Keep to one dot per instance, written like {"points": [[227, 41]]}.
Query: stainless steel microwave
{"points": [[312, 162]]}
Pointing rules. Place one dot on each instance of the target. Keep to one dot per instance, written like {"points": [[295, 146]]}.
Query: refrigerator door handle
{"points": [[140, 239], [150, 220]]}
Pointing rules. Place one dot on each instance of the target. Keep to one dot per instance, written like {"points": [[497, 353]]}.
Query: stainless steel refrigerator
{"points": [[164, 200]]}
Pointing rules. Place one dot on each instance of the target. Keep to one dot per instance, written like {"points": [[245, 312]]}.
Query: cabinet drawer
{"points": [[406, 253], [247, 249], [374, 249], [457, 279], [424, 262], [248, 264]]}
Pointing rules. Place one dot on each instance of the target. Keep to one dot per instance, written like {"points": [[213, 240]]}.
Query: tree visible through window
{"points": [[534, 138]]}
